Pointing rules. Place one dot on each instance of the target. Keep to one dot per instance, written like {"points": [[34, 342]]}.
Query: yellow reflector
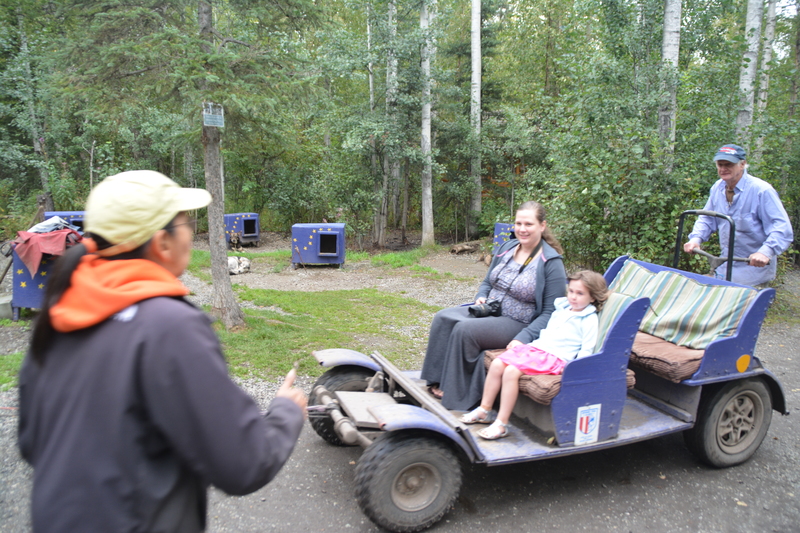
{"points": [[742, 363]]}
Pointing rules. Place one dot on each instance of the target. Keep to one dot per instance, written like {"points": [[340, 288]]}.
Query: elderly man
{"points": [[763, 230]]}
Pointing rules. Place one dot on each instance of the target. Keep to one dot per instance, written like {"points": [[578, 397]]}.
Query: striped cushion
{"points": [[631, 280], [688, 313], [615, 305]]}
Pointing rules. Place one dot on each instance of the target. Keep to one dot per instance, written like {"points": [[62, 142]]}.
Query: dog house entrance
{"points": [[328, 244], [250, 227]]}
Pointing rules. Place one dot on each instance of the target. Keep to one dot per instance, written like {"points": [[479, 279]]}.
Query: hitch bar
{"points": [[343, 426]]}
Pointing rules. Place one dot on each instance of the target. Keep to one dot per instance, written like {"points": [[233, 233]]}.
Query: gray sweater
{"points": [[551, 283]]}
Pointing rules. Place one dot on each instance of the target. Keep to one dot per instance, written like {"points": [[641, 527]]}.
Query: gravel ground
{"points": [[467, 272]]}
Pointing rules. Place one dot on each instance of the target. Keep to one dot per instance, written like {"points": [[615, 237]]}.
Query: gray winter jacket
{"points": [[127, 422]]}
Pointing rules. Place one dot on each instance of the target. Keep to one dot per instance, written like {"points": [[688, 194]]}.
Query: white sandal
{"points": [[474, 416], [498, 430]]}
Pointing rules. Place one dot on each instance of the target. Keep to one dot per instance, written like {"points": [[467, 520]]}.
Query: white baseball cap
{"points": [[128, 208]]}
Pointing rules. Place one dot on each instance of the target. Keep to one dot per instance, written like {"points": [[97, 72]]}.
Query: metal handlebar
{"points": [[714, 261]]}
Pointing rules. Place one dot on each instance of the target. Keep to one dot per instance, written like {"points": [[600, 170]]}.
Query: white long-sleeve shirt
{"points": [[569, 334]]}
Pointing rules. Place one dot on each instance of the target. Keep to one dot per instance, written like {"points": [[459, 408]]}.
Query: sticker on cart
{"points": [[587, 424]]}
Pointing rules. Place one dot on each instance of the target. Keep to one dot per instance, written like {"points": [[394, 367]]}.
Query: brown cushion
{"points": [[542, 388], [665, 359]]}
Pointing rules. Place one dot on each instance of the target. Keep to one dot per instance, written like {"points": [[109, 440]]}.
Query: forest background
{"points": [[581, 108]]}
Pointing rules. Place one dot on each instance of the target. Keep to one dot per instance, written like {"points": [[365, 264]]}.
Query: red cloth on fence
{"points": [[31, 246]]}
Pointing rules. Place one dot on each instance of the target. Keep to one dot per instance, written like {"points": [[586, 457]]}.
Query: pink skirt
{"points": [[530, 360]]}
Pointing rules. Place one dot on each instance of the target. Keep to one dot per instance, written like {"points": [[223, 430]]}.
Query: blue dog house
{"points": [[318, 244], [502, 232], [73, 217], [247, 225]]}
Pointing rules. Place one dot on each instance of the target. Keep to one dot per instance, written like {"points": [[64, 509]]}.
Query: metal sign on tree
{"points": [[213, 115]]}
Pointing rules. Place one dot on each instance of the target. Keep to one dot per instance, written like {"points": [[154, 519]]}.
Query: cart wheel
{"points": [[340, 378], [407, 483], [731, 423]]}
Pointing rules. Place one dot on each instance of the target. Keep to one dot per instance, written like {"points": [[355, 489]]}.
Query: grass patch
{"points": [[200, 264], [355, 257], [784, 310], [431, 273], [8, 323], [297, 323], [402, 259], [278, 260], [9, 368]]}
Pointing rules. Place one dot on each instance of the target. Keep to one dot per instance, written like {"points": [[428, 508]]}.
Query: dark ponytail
{"points": [[60, 281]]}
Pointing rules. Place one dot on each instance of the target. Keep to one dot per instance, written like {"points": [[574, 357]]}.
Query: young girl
{"points": [[571, 333]]}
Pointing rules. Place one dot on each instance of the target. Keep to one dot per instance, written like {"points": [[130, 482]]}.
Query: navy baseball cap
{"points": [[730, 152]]}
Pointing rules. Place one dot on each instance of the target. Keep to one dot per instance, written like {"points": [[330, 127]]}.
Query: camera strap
{"points": [[529, 259], [526, 263]]}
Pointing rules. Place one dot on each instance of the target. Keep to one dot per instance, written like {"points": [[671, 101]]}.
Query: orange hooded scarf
{"points": [[101, 288]]}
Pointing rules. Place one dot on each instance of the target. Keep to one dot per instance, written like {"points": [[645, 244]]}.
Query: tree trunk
{"points": [[30, 100], [425, 134], [223, 305], [763, 89], [371, 77], [404, 223], [390, 165], [670, 51], [747, 75], [475, 119]]}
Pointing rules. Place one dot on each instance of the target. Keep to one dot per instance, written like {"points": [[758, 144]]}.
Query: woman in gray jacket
{"points": [[525, 276], [127, 412]]}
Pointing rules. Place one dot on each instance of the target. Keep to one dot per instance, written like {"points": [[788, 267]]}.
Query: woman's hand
{"points": [[513, 343], [296, 395], [480, 300]]}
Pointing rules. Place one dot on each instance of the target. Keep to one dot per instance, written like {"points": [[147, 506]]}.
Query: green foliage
{"points": [[570, 102]]}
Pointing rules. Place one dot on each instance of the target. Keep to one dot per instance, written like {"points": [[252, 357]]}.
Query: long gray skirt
{"points": [[453, 358]]}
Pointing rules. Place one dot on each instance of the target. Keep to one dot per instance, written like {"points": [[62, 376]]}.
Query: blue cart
{"points": [[720, 397]]}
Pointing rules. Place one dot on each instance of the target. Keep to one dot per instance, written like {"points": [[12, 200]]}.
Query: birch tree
{"points": [[391, 165], [670, 51], [747, 74], [766, 60], [426, 17], [475, 117]]}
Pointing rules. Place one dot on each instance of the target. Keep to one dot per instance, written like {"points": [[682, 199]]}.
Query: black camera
{"points": [[490, 308]]}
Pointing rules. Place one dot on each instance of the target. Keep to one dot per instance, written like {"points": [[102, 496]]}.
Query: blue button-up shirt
{"points": [[762, 225]]}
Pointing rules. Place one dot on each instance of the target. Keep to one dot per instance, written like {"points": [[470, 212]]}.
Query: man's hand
{"points": [[296, 395], [758, 260], [480, 300], [690, 247], [513, 343]]}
